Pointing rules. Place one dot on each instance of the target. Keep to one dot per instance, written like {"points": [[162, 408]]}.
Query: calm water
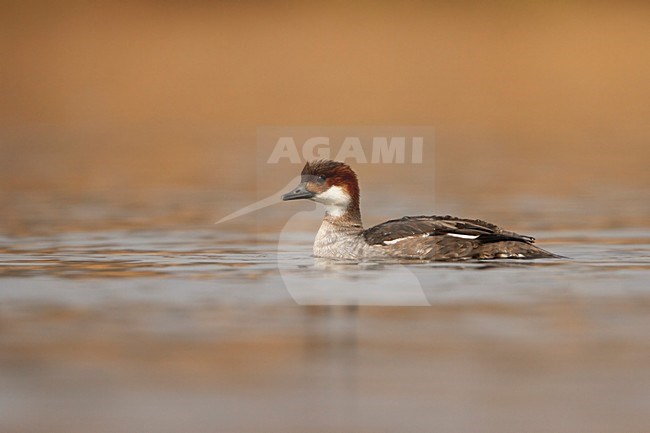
{"points": [[218, 330]]}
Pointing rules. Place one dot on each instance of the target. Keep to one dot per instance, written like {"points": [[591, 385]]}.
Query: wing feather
{"points": [[438, 226]]}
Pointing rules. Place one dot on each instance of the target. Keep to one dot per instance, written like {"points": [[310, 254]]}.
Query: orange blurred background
{"points": [[526, 97]]}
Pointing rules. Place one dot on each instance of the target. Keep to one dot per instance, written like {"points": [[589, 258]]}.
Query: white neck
{"points": [[335, 199], [335, 211]]}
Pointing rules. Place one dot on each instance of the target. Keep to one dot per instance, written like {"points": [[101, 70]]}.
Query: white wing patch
{"points": [[425, 235], [394, 241], [456, 235]]}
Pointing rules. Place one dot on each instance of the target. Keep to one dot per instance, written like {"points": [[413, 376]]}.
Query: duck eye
{"points": [[321, 179]]}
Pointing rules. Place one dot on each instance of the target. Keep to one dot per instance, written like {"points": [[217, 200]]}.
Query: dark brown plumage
{"points": [[440, 225], [490, 240], [323, 173]]}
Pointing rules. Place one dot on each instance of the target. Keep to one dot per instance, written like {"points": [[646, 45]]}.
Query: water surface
{"points": [[202, 329]]}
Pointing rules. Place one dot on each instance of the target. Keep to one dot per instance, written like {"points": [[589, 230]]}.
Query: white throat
{"points": [[335, 199]]}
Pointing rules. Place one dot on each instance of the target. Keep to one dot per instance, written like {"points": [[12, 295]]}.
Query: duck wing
{"points": [[406, 227]]}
